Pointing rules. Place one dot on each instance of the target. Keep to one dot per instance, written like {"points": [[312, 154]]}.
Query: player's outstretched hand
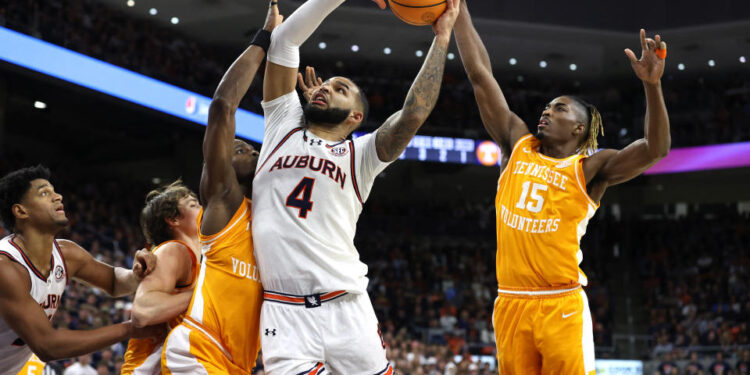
{"points": [[144, 262], [381, 3], [650, 67], [444, 24], [273, 18], [309, 82]]}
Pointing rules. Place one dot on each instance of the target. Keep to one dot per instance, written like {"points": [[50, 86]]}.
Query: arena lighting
{"points": [[687, 159], [512, 61], [130, 3], [419, 53], [542, 64], [681, 66], [322, 45], [387, 51], [573, 67], [742, 59], [174, 20], [40, 105], [355, 48], [711, 63], [153, 11], [451, 56], [484, 152], [58, 62], [82, 70]]}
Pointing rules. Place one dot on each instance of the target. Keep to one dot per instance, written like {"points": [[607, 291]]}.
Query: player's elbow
{"points": [[140, 316], [47, 351], [221, 106], [479, 77]]}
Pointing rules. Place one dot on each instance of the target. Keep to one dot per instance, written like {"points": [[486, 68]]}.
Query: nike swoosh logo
{"points": [[526, 150], [566, 316]]}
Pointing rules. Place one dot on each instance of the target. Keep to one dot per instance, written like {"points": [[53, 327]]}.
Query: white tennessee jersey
{"points": [[307, 196], [47, 292]]}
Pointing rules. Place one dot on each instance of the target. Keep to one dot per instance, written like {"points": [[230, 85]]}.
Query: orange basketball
{"points": [[418, 12]]}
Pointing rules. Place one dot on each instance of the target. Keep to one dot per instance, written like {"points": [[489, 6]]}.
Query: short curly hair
{"points": [[161, 204], [13, 186]]}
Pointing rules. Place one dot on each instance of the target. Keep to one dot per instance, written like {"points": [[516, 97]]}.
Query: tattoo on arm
{"points": [[396, 133]]}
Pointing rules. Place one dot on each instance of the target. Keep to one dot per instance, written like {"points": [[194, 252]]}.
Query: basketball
{"points": [[418, 12]]}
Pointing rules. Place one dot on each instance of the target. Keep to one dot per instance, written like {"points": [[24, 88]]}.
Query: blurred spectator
{"points": [[719, 366], [81, 367]]}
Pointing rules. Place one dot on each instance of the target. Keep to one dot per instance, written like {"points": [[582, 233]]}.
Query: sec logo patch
{"points": [[339, 150], [59, 273]]}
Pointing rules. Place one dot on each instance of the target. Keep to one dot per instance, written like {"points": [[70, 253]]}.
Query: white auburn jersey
{"points": [[14, 353], [307, 196]]}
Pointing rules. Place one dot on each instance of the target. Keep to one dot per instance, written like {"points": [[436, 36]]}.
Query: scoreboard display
{"points": [[450, 150]]}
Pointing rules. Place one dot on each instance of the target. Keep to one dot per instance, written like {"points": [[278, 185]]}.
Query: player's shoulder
{"points": [[70, 249], [11, 271], [599, 158], [172, 249]]}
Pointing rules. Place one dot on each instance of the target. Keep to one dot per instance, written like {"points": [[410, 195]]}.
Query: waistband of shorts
{"points": [[546, 292], [192, 323], [308, 301]]}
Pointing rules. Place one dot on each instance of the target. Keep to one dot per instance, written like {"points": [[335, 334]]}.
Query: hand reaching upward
{"points": [[649, 68], [444, 24]]}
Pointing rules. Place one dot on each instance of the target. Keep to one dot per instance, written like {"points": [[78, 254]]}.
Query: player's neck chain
{"points": [[318, 142]]}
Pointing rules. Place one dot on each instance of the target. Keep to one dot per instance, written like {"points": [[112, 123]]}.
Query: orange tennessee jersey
{"points": [[143, 355], [34, 366], [542, 210], [227, 298]]}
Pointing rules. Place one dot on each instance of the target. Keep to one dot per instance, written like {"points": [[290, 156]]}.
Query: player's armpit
{"points": [[616, 167]]}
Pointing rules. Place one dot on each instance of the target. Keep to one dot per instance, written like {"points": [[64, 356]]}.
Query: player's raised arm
{"points": [[115, 281], [396, 133], [154, 300], [637, 157], [283, 55], [218, 179], [28, 321], [504, 126]]}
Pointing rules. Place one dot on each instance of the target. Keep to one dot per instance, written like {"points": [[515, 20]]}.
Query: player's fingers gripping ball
{"points": [[661, 51], [418, 12]]}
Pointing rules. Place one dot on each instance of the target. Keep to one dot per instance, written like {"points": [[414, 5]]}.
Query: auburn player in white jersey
{"points": [[34, 269], [309, 189], [550, 187]]}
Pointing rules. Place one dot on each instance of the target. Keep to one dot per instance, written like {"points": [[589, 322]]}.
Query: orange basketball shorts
{"points": [[544, 332]]}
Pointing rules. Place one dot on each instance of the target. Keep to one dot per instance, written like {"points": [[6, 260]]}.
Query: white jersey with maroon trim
{"points": [[14, 353], [307, 197]]}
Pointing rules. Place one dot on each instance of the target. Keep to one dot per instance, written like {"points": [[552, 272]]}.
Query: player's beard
{"points": [[331, 116]]}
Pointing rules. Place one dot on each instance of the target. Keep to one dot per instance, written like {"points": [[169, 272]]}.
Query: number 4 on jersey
{"points": [[300, 197]]}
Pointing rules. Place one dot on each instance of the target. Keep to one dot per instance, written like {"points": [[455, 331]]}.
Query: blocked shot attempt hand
{"points": [[144, 262], [309, 82], [650, 67], [443, 26], [273, 18]]}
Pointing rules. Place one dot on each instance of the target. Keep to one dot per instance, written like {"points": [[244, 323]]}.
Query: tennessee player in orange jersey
{"points": [[219, 334], [549, 188], [169, 220]]}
